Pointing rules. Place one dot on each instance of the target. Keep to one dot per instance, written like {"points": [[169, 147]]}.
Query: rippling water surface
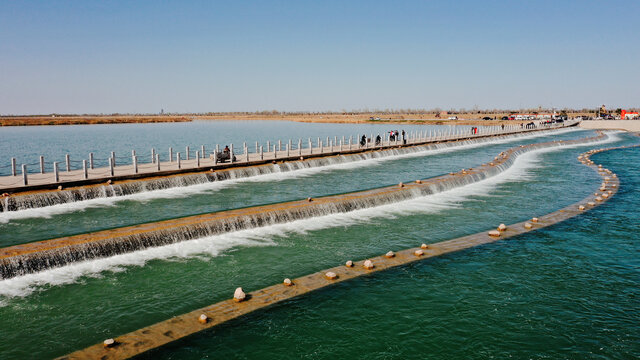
{"points": [[568, 291]]}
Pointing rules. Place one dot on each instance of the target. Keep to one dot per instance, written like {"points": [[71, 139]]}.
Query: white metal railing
{"points": [[275, 151]]}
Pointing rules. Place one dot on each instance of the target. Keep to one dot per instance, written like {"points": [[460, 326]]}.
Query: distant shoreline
{"points": [[358, 118], [87, 120], [474, 119]]}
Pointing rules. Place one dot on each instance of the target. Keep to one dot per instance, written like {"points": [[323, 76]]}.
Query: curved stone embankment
{"points": [[37, 256], [159, 334], [24, 198]]}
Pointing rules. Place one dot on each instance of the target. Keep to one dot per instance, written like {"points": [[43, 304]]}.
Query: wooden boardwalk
{"points": [[278, 152], [157, 335]]}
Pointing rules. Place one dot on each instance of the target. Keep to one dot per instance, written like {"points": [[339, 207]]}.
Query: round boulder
{"points": [[239, 295]]}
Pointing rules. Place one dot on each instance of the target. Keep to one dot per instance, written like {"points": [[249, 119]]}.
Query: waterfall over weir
{"points": [[50, 198], [33, 257]]}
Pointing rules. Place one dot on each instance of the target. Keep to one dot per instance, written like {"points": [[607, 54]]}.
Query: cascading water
{"points": [[54, 253], [51, 198]]}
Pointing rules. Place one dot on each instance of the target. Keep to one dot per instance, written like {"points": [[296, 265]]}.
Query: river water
{"points": [[568, 291]]}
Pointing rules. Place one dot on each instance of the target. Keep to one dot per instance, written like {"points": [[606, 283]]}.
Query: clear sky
{"points": [[197, 56]]}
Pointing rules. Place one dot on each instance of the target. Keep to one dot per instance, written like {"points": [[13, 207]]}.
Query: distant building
{"points": [[628, 115]]}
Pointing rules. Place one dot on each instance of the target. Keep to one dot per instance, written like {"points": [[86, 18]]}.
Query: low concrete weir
{"points": [[83, 191], [157, 335], [37, 256]]}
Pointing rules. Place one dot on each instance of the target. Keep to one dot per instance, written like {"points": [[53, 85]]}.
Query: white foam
{"points": [[186, 191], [264, 236]]}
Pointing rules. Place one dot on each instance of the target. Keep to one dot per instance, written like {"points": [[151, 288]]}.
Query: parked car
{"points": [[505, 118], [487, 118], [453, 118]]}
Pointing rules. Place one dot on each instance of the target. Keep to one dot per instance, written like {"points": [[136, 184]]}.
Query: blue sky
{"points": [[198, 56]]}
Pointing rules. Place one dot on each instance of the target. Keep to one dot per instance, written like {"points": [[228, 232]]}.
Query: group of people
{"points": [[393, 136]]}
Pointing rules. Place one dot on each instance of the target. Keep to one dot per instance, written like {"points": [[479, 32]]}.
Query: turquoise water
{"points": [[570, 291]]}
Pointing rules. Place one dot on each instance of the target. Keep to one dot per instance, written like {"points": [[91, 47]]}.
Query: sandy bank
{"points": [[627, 125]]}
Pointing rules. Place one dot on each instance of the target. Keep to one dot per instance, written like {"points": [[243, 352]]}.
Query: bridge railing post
{"points": [[68, 161], [158, 161], [41, 164], [179, 160], [85, 172], [91, 160], [197, 158], [25, 180], [56, 175], [135, 164], [13, 167], [231, 154]]}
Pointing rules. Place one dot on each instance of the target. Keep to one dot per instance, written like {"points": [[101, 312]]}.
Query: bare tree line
{"points": [[364, 111]]}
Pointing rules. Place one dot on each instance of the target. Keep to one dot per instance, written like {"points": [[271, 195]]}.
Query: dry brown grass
{"points": [[427, 119], [352, 118], [78, 120]]}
